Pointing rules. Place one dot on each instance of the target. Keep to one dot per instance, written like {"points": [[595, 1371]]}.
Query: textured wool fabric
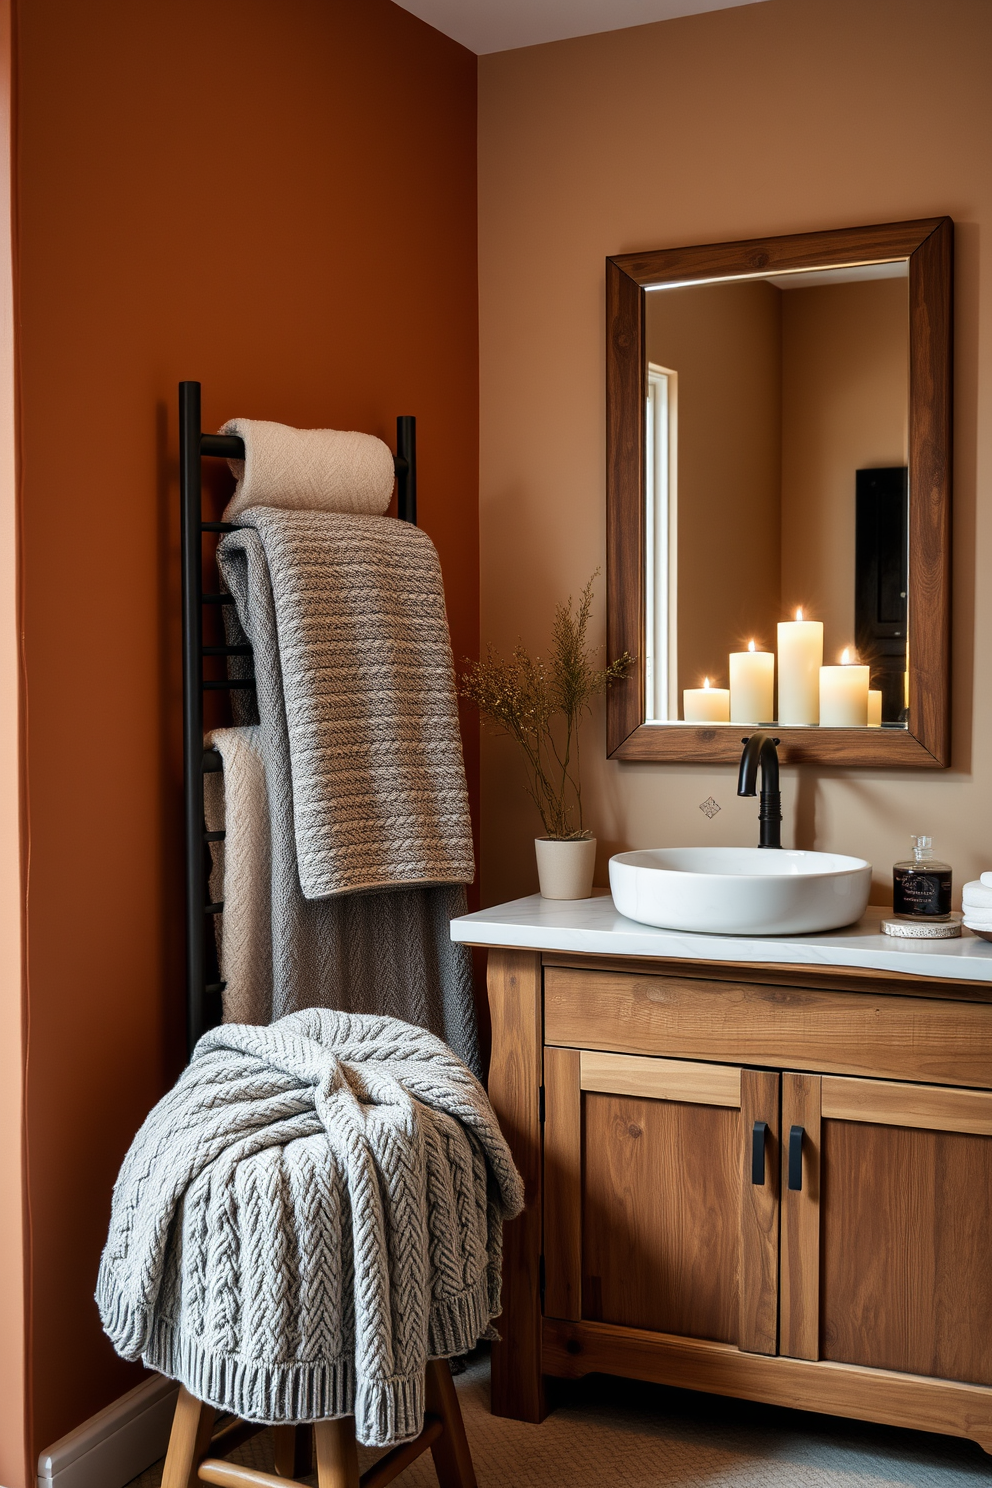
{"points": [[388, 951], [309, 469], [361, 642], [312, 1212], [384, 952], [235, 803]]}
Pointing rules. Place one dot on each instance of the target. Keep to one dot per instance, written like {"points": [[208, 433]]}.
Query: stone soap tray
{"points": [[947, 929]]}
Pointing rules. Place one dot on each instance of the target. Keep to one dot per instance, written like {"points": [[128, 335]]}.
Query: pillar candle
{"points": [[800, 656], [752, 686], [874, 708], [706, 704], [844, 694]]}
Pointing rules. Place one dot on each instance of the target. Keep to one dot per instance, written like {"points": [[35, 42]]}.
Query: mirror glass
{"points": [[777, 496]]}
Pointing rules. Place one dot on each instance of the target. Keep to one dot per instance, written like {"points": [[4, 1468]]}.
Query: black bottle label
{"points": [[917, 894]]}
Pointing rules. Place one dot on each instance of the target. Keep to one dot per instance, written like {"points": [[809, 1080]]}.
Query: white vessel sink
{"points": [[740, 890]]}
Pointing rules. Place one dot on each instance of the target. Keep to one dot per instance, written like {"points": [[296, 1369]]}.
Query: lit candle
{"points": [[800, 655], [752, 686], [874, 708], [844, 694], [706, 704]]}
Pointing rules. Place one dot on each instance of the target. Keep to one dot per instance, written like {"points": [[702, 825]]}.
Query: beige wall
{"points": [[724, 341], [767, 118], [845, 399]]}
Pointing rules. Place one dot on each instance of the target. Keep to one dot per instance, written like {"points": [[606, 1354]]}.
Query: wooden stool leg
{"points": [[189, 1442], [452, 1458], [293, 1451], [337, 1453]]}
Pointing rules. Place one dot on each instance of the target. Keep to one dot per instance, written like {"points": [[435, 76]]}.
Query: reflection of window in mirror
{"points": [[661, 527]]}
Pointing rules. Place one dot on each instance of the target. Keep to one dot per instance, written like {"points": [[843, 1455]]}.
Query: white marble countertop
{"points": [[594, 927]]}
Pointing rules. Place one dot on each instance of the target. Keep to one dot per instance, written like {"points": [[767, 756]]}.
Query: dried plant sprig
{"points": [[541, 705]]}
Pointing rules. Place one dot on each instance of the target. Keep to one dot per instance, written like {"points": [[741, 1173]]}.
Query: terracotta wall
{"points": [[845, 397], [278, 200], [725, 343], [12, 1247], [771, 118]]}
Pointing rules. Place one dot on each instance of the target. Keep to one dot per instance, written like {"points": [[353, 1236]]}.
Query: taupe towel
{"points": [[309, 469], [385, 952], [361, 644]]}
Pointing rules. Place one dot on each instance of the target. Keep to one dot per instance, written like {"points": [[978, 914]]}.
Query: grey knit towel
{"points": [[311, 1213], [368, 691], [378, 951]]}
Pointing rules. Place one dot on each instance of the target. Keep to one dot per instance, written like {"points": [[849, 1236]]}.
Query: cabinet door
{"points": [[887, 1243], [661, 1195]]}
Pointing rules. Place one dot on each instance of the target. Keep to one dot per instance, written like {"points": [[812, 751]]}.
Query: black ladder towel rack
{"points": [[203, 999]]}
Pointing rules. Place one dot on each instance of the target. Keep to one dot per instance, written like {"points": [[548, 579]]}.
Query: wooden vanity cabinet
{"points": [[887, 1246], [778, 1189], [651, 1218]]}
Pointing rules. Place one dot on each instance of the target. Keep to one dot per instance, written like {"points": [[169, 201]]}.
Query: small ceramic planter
{"points": [[565, 869]]}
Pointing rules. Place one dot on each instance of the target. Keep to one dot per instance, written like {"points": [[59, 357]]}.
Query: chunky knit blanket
{"points": [[311, 1213]]}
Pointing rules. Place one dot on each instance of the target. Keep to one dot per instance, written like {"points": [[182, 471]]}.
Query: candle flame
{"points": [[845, 659], [750, 645], [706, 681], [799, 614]]}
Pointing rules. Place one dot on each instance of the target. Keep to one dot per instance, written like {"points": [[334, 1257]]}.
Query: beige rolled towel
{"points": [[309, 469]]}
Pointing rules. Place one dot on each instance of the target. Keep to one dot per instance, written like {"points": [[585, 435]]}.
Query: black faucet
{"points": [[759, 749]]}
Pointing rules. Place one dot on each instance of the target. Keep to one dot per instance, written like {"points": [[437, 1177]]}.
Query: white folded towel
{"points": [[987, 880], [978, 919], [976, 895], [309, 469]]}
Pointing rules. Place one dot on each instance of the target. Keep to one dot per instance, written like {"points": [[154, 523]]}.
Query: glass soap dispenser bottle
{"points": [[921, 886]]}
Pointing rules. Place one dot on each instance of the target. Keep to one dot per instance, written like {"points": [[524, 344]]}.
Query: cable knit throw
{"points": [[311, 1213]]}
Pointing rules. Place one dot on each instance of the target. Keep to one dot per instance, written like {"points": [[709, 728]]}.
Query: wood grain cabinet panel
{"points": [[906, 1234], [654, 1218], [854, 1033], [660, 1225]]}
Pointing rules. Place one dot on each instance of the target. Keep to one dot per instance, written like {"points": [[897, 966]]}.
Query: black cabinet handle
{"points": [[759, 1136], [796, 1158]]}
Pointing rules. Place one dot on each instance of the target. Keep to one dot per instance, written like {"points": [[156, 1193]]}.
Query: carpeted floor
{"points": [[615, 1432]]}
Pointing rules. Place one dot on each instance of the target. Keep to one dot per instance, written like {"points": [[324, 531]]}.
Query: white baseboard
{"points": [[115, 1445]]}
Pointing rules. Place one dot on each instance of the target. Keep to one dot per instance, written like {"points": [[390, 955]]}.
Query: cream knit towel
{"points": [[346, 618], [234, 802], [314, 469], [311, 1213]]}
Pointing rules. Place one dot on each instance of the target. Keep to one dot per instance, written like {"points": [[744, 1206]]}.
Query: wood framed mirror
{"points": [[832, 494]]}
